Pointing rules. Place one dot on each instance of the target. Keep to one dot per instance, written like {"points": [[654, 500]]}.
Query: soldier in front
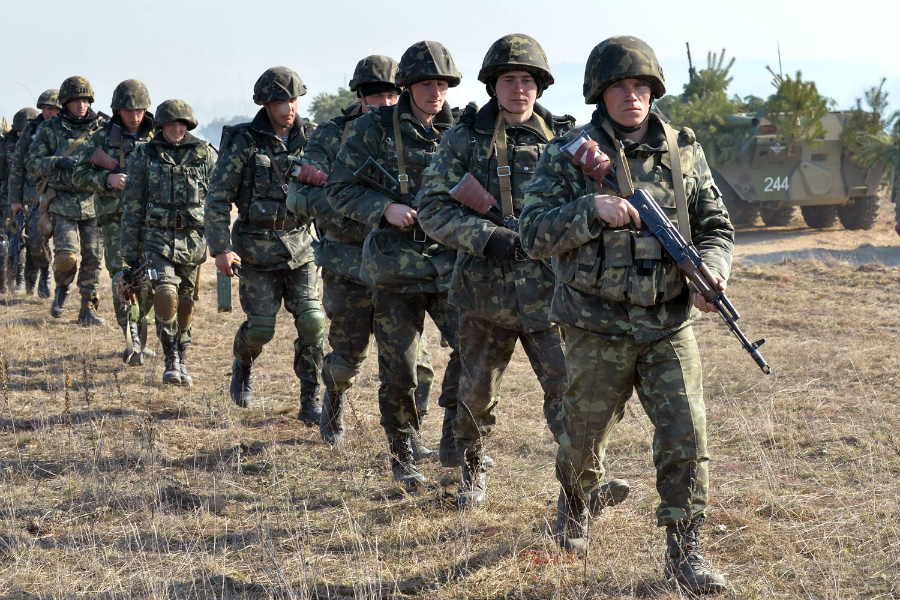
{"points": [[624, 308]]}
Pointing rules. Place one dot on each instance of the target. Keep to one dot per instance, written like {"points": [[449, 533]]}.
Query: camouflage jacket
{"points": [[22, 186], [392, 258], [613, 281], [165, 199], [112, 139], [339, 248], [511, 293], [244, 176], [52, 139], [7, 149]]}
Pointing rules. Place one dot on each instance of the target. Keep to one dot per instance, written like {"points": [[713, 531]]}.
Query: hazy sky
{"points": [[210, 53]]}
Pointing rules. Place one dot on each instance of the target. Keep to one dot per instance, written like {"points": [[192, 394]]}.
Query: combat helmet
{"points": [[277, 83], [427, 60], [378, 69], [74, 88], [131, 94], [22, 117], [49, 98], [515, 52], [174, 110], [621, 57]]}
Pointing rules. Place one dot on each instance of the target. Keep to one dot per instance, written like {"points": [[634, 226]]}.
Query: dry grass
{"points": [[115, 487]]}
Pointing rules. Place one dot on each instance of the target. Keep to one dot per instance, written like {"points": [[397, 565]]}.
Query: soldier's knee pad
{"points": [[165, 302], [260, 330], [310, 324], [339, 372], [64, 262], [185, 312]]}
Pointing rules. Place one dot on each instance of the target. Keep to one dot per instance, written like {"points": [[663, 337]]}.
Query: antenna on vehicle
{"points": [[780, 74]]}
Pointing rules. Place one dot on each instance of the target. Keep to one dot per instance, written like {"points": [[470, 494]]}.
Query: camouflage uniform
{"points": [[163, 214], [73, 211], [624, 308], [116, 141], [275, 247]]}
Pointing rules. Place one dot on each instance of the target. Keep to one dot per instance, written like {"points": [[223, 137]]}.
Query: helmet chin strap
{"points": [[617, 126]]}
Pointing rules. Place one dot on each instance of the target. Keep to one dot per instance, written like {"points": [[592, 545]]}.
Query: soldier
{"points": [[409, 272], [22, 192], [72, 213], [346, 299], [168, 180], [7, 150], [130, 127], [624, 309], [273, 247]]}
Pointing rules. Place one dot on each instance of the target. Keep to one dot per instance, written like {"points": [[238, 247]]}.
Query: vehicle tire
{"points": [[739, 211], [859, 213], [820, 217], [776, 217]]}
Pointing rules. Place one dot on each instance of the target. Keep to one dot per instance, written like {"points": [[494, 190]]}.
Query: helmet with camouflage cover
{"points": [[174, 110], [427, 60], [131, 94], [74, 88], [49, 98], [621, 57], [374, 69], [278, 83], [22, 117], [515, 52]]}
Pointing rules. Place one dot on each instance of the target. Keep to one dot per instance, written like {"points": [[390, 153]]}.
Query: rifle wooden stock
{"points": [[103, 160]]}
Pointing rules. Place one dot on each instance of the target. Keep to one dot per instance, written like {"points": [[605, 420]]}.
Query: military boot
{"points": [[613, 492], [132, 354], [59, 301], [447, 453], [572, 522], [331, 424], [87, 316], [421, 452], [172, 371], [44, 283], [473, 487], [403, 465], [19, 286], [684, 563], [310, 406], [31, 275], [241, 389], [182, 366]]}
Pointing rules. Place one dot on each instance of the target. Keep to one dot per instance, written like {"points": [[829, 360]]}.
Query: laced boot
{"points": [[132, 355], [403, 465], [19, 286], [172, 371], [473, 487], [31, 275], [331, 424], [572, 522], [59, 301], [613, 492], [310, 406], [43, 289], [684, 563], [421, 452], [241, 389], [87, 316], [182, 366]]}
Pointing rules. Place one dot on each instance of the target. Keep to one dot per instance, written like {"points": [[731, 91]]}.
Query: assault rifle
{"points": [[17, 242], [132, 279], [393, 194], [103, 160]]}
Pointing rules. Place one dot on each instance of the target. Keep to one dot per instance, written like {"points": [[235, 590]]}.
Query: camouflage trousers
{"points": [[37, 255], [350, 311], [399, 323], [667, 377], [71, 236], [184, 278], [486, 349], [261, 295]]}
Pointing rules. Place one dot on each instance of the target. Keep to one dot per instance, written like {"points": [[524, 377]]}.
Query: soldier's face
{"points": [[49, 112], [429, 95], [628, 101], [383, 99], [132, 118], [78, 107], [516, 91], [174, 131], [282, 112]]}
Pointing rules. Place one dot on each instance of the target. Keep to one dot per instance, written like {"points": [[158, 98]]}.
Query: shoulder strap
{"points": [[681, 208], [623, 171], [548, 132], [504, 173], [401, 164], [278, 174], [78, 141]]}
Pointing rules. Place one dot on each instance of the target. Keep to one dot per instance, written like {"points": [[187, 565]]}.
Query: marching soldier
{"points": [[164, 201], [7, 150], [624, 307], [274, 248]]}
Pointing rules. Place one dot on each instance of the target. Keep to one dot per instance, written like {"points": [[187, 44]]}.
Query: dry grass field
{"points": [[115, 487]]}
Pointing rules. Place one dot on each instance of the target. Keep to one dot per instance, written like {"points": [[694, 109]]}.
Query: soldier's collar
{"points": [[486, 119], [261, 124], [442, 121]]}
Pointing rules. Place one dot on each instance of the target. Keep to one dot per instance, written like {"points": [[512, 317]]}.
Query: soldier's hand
{"points": [[116, 181], [400, 215], [15, 207], [896, 227], [615, 211], [65, 163], [701, 303], [223, 263]]}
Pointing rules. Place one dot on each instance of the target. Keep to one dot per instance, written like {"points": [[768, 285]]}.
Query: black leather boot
{"points": [[331, 423], [310, 406], [31, 275], [172, 372], [572, 522], [87, 316], [403, 465], [182, 359], [473, 488], [241, 389], [684, 563], [44, 283]]}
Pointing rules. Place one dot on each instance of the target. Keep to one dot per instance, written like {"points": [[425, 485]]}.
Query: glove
{"points": [[65, 163], [308, 174], [469, 192], [502, 244], [132, 263]]}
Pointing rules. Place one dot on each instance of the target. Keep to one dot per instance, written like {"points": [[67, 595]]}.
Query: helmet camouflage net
{"points": [[74, 88], [174, 110], [427, 60], [131, 94], [374, 69], [621, 57], [515, 52], [278, 83], [49, 98], [22, 117]]}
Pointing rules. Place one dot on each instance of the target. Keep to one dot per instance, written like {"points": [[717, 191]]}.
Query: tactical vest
{"points": [[624, 265], [176, 194]]}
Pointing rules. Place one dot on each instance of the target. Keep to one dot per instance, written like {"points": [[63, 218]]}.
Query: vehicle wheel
{"points": [[739, 211], [820, 217], [776, 217], [859, 213]]}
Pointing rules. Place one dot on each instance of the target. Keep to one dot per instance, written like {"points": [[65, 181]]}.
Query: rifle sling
{"points": [[78, 141], [504, 173], [401, 164], [681, 207], [277, 169]]}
